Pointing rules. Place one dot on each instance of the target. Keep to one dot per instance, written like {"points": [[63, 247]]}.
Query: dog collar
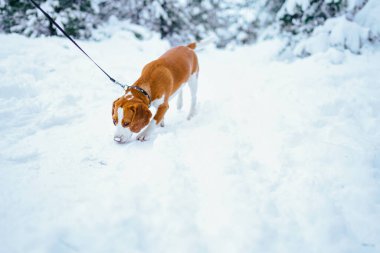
{"points": [[142, 91]]}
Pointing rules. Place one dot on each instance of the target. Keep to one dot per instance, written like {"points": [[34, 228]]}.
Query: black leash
{"points": [[124, 86]]}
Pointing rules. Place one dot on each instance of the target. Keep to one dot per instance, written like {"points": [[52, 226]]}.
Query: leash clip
{"points": [[124, 86]]}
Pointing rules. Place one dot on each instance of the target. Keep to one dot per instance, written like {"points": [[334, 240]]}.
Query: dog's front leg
{"points": [[157, 119]]}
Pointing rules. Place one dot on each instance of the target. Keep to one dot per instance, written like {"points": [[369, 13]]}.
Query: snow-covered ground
{"points": [[281, 157]]}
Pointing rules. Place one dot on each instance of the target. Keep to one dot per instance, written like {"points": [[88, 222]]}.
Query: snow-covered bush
{"points": [[176, 21], [22, 17], [313, 26], [183, 21], [302, 16], [336, 32], [369, 16], [309, 25]]}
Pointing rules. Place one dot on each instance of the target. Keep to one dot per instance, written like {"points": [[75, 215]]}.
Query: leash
{"points": [[124, 86]]}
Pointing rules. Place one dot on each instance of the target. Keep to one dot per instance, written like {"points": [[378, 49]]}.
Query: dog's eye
{"points": [[125, 124], [115, 121]]}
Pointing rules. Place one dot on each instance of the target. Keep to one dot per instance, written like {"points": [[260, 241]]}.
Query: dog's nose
{"points": [[117, 138]]}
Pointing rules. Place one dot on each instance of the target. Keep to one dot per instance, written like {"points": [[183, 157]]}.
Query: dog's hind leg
{"points": [[180, 100], [193, 85]]}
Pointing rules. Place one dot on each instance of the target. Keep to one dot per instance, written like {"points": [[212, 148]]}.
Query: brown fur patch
{"points": [[140, 118]]}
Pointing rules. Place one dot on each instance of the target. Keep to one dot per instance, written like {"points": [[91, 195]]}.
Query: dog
{"points": [[160, 81]]}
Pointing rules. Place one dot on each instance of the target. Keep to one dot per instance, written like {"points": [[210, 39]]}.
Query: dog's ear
{"points": [[114, 113], [113, 106], [141, 118]]}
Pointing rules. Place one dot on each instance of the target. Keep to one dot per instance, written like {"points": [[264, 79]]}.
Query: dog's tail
{"points": [[192, 45], [200, 45]]}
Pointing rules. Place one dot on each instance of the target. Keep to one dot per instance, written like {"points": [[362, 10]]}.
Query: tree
{"points": [[22, 17]]}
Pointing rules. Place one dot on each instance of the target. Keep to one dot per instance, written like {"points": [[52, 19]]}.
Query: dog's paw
{"points": [[162, 123], [191, 115], [143, 136]]}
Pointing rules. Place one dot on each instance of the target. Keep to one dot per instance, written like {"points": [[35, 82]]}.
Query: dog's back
{"points": [[172, 68]]}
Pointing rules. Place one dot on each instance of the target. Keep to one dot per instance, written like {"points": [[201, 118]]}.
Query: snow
{"points": [[281, 157], [352, 4], [369, 17], [335, 32], [291, 6]]}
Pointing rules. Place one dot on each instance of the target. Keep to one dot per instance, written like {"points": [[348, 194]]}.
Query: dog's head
{"points": [[129, 117]]}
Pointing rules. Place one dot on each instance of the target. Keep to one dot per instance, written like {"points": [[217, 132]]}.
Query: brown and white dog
{"points": [[161, 79]]}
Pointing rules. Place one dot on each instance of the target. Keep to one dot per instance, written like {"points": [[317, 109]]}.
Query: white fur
{"points": [[180, 100], [128, 95], [157, 102], [204, 43], [147, 133], [193, 85], [122, 134]]}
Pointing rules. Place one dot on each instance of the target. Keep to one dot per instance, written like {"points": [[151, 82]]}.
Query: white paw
{"points": [[147, 133], [144, 136], [162, 123], [191, 115], [193, 111]]}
